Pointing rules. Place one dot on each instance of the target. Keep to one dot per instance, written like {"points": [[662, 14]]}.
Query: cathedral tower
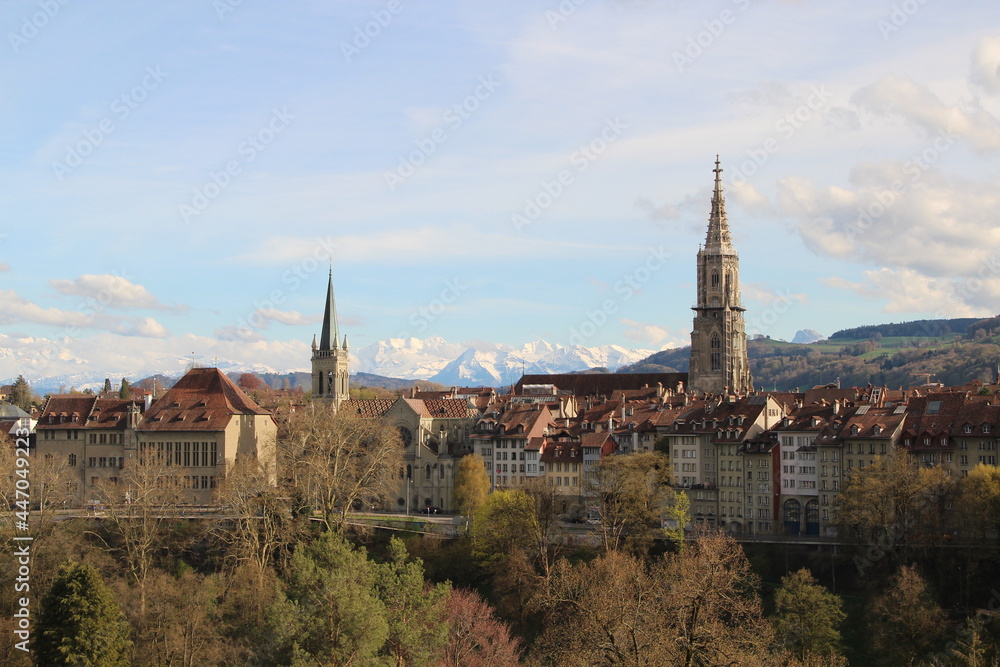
{"points": [[329, 359], [719, 341]]}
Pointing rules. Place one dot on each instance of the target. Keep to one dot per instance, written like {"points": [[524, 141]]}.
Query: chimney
{"points": [[148, 400], [836, 407]]}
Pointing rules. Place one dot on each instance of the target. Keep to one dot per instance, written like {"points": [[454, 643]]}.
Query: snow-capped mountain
{"points": [[484, 363], [807, 336]]}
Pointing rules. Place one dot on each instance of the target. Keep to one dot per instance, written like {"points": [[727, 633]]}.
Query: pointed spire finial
{"points": [[718, 238], [330, 333]]}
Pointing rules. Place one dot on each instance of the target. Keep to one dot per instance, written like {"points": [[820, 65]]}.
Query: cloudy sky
{"points": [[179, 177]]}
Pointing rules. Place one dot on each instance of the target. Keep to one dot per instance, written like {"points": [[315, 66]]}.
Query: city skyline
{"points": [[180, 179]]}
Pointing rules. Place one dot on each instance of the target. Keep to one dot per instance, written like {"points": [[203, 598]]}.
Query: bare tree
{"points": [[334, 460], [631, 492], [136, 505], [258, 522]]}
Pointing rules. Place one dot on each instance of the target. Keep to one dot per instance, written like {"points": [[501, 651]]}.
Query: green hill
{"points": [[952, 352]]}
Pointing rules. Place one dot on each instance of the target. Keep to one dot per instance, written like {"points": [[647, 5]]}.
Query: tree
{"points": [[630, 491], [250, 383], [125, 393], [259, 522], [472, 486], [505, 523], [893, 501], [80, 623], [905, 620], [184, 622], [978, 500], [107, 385], [414, 610], [677, 518], [699, 607], [136, 506], [476, 637], [332, 460], [807, 617], [330, 613], [21, 394]]}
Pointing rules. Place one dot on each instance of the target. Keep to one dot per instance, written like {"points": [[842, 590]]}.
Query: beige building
{"points": [[197, 428]]}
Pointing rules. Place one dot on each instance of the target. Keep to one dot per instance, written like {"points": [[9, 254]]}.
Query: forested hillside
{"points": [[952, 352]]}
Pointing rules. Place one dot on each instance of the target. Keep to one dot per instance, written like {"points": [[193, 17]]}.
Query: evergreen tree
{"points": [[414, 610], [126, 390], [329, 614], [80, 622], [107, 384], [21, 394], [807, 617]]}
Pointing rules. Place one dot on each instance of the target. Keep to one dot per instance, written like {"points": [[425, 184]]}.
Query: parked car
{"points": [[431, 510]]}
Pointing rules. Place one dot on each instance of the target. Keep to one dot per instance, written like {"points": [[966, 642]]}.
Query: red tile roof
{"points": [[203, 400]]}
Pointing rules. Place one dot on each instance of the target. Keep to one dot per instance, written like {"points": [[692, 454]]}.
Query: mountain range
{"points": [[435, 359], [484, 363]]}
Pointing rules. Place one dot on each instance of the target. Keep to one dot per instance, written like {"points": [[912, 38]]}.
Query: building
{"points": [[719, 362], [435, 432], [197, 428], [330, 363]]}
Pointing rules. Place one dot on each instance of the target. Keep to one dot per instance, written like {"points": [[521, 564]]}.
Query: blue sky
{"points": [[179, 177]]}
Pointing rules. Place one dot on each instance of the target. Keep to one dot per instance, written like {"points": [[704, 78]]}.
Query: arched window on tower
{"points": [[715, 278], [716, 346]]}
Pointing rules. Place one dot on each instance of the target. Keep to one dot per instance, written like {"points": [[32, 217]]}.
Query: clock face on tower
{"points": [[406, 435]]}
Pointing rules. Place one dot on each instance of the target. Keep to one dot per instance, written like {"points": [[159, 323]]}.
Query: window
{"points": [[72, 459], [716, 347]]}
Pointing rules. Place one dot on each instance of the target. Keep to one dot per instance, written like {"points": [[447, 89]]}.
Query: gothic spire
{"points": [[330, 334], [718, 239]]}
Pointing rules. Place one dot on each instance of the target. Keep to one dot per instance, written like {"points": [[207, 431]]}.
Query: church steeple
{"points": [[719, 360], [718, 239], [330, 361], [330, 330]]}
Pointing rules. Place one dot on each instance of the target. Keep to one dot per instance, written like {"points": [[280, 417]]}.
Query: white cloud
{"points": [[908, 291], [113, 355], [15, 309], [110, 291], [4, 267], [895, 96], [898, 216], [651, 334], [290, 317], [985, 69]]}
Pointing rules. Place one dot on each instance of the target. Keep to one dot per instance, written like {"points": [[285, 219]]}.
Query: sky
{"points": [[180, 178]]}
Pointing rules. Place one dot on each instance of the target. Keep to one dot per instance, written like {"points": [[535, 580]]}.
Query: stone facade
{"points": [[719, 362], [330, 361]]}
